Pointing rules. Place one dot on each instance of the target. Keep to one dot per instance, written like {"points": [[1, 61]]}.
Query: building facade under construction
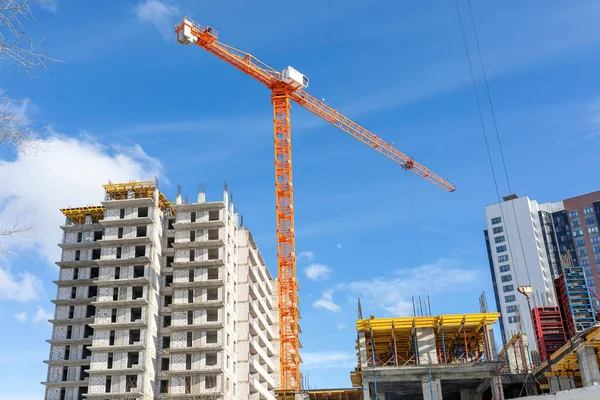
{"points": [[161, 300]]}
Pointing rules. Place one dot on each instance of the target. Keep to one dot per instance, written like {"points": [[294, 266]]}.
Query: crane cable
{"points": [[484, 132], [418, 240]]}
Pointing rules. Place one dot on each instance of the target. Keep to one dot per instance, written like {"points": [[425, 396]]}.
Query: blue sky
{"points": [[127, 102]]}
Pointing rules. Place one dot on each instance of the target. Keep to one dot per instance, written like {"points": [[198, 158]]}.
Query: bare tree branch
{"points": [[14, 229]]}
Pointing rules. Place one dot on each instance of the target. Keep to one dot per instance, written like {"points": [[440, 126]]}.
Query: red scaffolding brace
{"points": [[549, 330]]}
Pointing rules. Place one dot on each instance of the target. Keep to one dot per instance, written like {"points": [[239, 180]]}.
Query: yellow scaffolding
{"points": [[323, 394], [77, 214], [142, 189]]}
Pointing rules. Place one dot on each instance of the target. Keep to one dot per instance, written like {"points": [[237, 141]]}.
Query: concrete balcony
{"points": [[82, 227], [198, 369], [71, 362], [124, 203], [66, 384], [201, 325], [123, 261], [135, 369], [255, 383], [71, 342], [198, 263], [195, 348], [136, 346], [205, 224], [74, 302], [256, 367], [122, 303], [122, 281], [256, 330], [198, 305], [74, 282], [207, 394], [76, 263], [72, 321], [198, 284], [257, 349], [138, 323], [200, 244], [132, 394], [129, 241]]}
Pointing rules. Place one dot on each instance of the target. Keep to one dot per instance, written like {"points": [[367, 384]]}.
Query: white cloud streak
{"points": [[317, 272], [328, 359], [307, 254], [22, 317], [22, 288], [160, 14], [326, 302], [42, 315]]}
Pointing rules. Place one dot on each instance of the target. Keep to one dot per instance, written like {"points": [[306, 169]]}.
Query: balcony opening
{"points": [[86, 352], [119, 252], [166, 343], [115, 294], [107, 384], [134, 336], [92, 291], [113, 315], [192, 236], [211, 359], [120, 233], [168, 280], [82, 391], [88, 331], [213, 254], [210, 382], [213, 273], [192, 255], [213, 215], [98, 235], [141, 231], [137, 292], [69, 332], [63, 394], [168, 299], [190, 318], [90, 311], [212, 315], [188, 361], [171, 221], [109, 363], [138, 271], [191, 296], [193, 216], [212, 337], [212, 294], [65, 374], [82, 374], [77, 255], [164, 386], [79, 237], [170, 242], [71, 312], [122, 213], [73, 292], [111, 338], [67, 352], [94, 272], [213, 234], [164, 363], [76, 273], [191, 275], [136, 313], [170, 260], [140, 251], [166, 321], [96, 253], [131, 383], [188, 384], [190, 339], [142, 212], [133, 358]]}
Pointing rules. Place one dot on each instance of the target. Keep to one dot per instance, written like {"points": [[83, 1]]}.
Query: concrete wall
{"points": [[588, 393]]}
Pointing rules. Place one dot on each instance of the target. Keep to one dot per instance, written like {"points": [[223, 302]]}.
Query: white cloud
{"points": [[160, 14], [21, 317], [328, 359], [326, 302], [317, 272], [48, 5], [307, 254], [341, 326], [42, 315], [339, 246], [68, 172], [25, 287]]}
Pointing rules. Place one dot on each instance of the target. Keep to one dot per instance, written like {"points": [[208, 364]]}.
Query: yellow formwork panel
{"points": [[142, 189], [77, 214]]}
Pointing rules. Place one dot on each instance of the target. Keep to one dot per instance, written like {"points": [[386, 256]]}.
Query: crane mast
{"points": [[285, 87]]}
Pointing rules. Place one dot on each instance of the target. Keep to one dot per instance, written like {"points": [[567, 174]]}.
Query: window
{"points": [[138, 271], [213, 273], [67, 352], [510, 298], [166, 342], [136, 313], [137, 292], [97, 235], [169, 298], [122, 213], [573, 214], [588, 211], [585, 263], [499, 239], [213, 215], [593, 229], [590, 220], [193, 216], [595, 239], [190, 339], [166, 320], [164, 386], [188, 361], [130, 382], [73, 292], [79, 237], [113, 315], [111, 338], [210, 382], [503, 258], [512, 319], [191, 275], [498, 229], [213, 234], [192, 255], [170, 242], [120, 233], [211, 359], [109, 362], [496, 220], [141, 231], [96, 254], [511, 309], [578, 233], [505, 268], [142, 212], [133, 358], [212, 294], [213, 254], [170, 260], [500, 249], [583, 253], [134, 335], [77, 255], [508, 288], [188, 384], [576, 224], [140, 251], [108, 384], [171, 222], [192, 236], [212, 315], [119, 252], [506, 278], [211, 337], [190, 317], [580, 243], [190, 295], [63, 393]]}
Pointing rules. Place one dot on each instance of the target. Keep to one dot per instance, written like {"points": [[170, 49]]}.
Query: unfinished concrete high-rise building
{"points": [[161, 301]]}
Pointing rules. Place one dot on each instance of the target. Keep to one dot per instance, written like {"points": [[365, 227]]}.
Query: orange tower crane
{"points": [[285, 86]]}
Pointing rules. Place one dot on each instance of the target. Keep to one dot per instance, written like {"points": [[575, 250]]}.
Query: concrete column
{"points": [[468, 394], [362, 345], [366, 391], [426, 345], [497, 389], [493, 356], [560, 383], [588, 366], [432, 390]]}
